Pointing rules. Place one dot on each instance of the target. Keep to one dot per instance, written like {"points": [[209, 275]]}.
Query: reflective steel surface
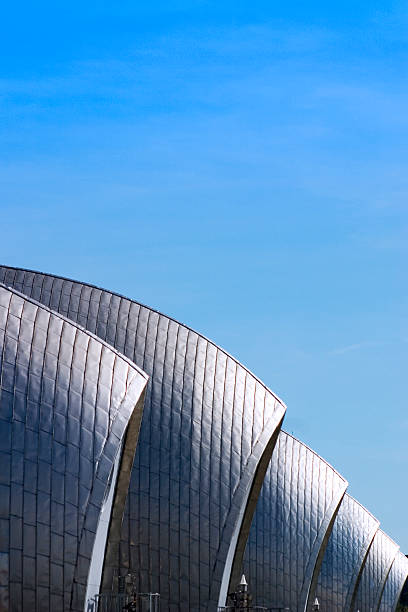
{"points": [[213, 487], [298, 501], [206, 426], [352, 534], [379, 560], [393, 586], [66, 401]]}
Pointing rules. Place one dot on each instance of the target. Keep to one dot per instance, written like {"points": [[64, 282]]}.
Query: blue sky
{"points": [[241, 166]]}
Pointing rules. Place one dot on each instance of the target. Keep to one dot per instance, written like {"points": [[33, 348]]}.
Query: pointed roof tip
{"points": [[243, 581]]}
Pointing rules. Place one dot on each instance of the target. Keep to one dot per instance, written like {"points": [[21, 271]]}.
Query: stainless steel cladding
{"points": [[379, 560], [208, 486], [208, 425], [66, 402], [353, 532], [298, 502], [394, 583]]}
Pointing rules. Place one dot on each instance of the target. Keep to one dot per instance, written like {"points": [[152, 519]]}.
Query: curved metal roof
{"points": [[297, 506], [69, 404], [207, 434]]}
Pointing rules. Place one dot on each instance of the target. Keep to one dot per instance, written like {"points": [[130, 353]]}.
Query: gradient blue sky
{"points": [[241, 166]]}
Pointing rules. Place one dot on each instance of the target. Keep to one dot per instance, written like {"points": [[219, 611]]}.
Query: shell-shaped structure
{"points": [[67, 402], [374, 574], [207, 434], [393, 586], [298, 503], [352, 534], [131, 443]]}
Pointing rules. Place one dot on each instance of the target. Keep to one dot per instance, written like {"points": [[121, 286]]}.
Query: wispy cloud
{"points": [[355, 347]]}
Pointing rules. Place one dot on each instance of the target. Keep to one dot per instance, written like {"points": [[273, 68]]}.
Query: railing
{"points": [[243, 609], [252, 609], [122, 602]]}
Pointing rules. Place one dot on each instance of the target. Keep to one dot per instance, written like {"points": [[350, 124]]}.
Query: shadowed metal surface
{"points": [[206, 426], [351, 537], [298, 501], [380, 557], [66, 400], [394, 583]]}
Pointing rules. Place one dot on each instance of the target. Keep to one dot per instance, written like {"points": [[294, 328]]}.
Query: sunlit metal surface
{"points": [[206, 461], [394, 583], [351, 537], [207, 426], [66, 401], [298, 502], [379, 560]]}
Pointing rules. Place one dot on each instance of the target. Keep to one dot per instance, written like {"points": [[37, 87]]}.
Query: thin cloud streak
{"points": [[365, 345], [355, 347]]}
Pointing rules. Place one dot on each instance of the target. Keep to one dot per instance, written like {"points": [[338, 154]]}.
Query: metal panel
{"points": [[351, 537], [394, 584], [298, 502], [207, 428], [66, 400], [379, 560]]}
